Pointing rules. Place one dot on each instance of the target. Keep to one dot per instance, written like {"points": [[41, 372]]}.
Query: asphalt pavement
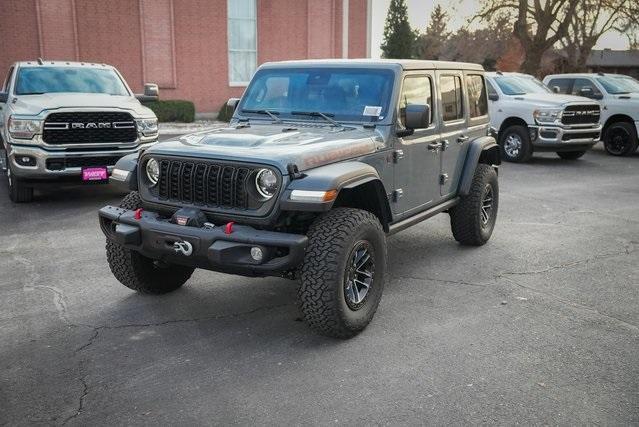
{"points": [[539, 326]]}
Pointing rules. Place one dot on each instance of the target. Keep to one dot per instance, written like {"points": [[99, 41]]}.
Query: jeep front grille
{"points": [[206, 184], [95, 127], [581, 114]]}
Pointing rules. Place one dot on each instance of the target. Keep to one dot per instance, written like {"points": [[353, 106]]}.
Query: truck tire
{"points": [[515, 144], [343, 273], [18, 191], [140, 273], [570, 155], [620, 139], [472, 220]]}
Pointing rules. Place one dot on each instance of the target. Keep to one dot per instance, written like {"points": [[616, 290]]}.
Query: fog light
{"points": [[257, 254], [25, 161]]}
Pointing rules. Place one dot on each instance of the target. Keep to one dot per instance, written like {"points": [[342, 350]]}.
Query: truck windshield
{"points": [[346, 94], [37, 80], [520, 85], [617, 85]]}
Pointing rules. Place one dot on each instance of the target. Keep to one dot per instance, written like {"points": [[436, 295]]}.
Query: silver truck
{"points": [[68, 121]]}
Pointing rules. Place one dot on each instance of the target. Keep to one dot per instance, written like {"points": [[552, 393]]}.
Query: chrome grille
{"points": [[581, 114]]}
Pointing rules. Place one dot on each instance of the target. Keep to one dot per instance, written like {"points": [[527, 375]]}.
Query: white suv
{"points": [[68, 121], [528, 117], [619, 99]]}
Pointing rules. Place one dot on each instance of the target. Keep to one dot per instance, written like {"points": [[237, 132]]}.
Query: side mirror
{"points": [[417, 116], [585, 91], [232, 103], [493, 97], [4, 97], [597, 96], [556, 89], [151, 93]]}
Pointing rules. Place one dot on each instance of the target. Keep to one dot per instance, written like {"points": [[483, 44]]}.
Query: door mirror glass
{"points": [[151, 93], [417, 116], [556, 89], [4, 96], [493, 97]]}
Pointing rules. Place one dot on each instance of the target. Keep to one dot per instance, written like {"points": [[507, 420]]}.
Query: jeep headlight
{"points": [[547, 115], [152, 170], [24, 128], [266, 183], [147, 126]]}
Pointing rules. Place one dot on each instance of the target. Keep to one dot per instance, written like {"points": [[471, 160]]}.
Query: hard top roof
{"points": [[405, 64], [45, 63]]}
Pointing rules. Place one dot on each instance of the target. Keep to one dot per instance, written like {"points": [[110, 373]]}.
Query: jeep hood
{"points": [[36, 104], [552, 99], [305, 146]]}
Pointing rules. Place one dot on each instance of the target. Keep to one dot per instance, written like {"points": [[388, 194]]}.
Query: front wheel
{"points": [[472, 220], [142, 274], [515, 144], [343, 273], [570, 155], [620, 139]]}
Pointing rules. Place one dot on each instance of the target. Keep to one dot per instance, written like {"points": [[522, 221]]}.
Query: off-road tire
{"points": [[18, 191], [570, 155], [140, 273], [616, 149], [526, 150], [466, 217], [323, 275]]}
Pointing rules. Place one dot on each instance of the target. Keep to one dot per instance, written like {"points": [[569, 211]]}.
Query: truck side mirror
{"points": [[4, 97], [493, 97], [151, 93], [232, 103], [556, 89], [417, 116]]}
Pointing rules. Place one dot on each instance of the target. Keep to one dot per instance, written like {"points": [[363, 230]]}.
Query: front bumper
{"points": [[555, 136], [212, 248]]}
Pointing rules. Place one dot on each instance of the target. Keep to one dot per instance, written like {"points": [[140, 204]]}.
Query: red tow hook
{"points": [[229, 228], [138, 213]]}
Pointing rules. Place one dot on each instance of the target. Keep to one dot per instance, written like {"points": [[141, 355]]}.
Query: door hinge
{"points": [[443, 179], [398, 155], [397, 194]]}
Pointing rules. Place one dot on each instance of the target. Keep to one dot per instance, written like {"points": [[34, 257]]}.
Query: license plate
{"points": [[93, 174]]}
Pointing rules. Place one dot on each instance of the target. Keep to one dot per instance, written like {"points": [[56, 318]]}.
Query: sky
{"points": [[459, 10]]}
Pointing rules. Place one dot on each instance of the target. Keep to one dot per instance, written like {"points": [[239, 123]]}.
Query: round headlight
{"points": [[153, 170], [266, 183]]}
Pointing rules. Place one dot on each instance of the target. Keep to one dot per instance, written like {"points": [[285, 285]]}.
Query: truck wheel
{"points": [[343, 273], [140, 273], [473, 219], [18, 191], [515, 144], [620, 139], [570, 155]]}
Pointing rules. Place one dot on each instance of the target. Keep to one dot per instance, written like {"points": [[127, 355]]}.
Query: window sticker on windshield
{"points": [[372, 111]]}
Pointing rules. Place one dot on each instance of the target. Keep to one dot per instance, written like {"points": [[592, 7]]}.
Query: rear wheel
{"points": [[620, 139], [570, 155], [515, 144], [19, 192], [142, 274], [343, 274]]}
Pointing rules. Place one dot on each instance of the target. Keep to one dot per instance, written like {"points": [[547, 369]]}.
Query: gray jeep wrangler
{"points": [[322, 160]]}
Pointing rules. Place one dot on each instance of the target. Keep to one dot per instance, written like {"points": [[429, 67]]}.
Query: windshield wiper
{"points": [[271, 114], [325, 116]]}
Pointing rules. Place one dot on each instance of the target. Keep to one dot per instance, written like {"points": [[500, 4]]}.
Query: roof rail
{"points": [[40, 61]]}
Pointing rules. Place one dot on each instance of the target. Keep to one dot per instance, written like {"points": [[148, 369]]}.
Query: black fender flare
{"points": [[125, 173], [481, 150]]}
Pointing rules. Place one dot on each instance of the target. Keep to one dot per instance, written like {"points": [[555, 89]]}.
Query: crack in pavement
{"points": [[85, 392], [455, 282]]}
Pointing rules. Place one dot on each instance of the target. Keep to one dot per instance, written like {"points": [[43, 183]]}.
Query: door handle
{"points": [[434, 146], [462, 139]]}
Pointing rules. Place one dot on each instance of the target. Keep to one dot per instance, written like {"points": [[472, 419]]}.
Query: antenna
{"points": [[40, 61]]}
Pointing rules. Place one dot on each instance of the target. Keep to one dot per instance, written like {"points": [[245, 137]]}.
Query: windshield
{"points": [[346, 94], [520, 85], [617, 85], [37, 80]]}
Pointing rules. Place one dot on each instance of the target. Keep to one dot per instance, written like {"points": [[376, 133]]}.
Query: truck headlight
{"points": [[547, 115], [24, 128], [152, 170], [266, 183], [147, 126]]}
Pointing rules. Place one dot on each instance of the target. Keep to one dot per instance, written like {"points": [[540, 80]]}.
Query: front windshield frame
{"points": [[625, 84], [246, 109], [513, 85], [119, 87]]}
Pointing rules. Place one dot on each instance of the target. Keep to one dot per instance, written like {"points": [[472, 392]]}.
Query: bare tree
{"points": [[539, 25]]}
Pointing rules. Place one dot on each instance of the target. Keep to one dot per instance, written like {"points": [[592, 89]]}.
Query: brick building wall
{"points": [[180, 44]]}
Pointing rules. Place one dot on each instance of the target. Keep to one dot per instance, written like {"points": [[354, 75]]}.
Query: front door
{"points": [[417, 161]]}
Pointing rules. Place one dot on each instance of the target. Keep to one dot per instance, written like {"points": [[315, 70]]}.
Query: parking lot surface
{"points": [[540, 326]]}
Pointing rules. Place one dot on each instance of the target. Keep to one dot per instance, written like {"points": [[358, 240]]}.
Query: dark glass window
{"points": [[564, 85], [477, 100], [416, 90], [581, 84], [451, 97]]}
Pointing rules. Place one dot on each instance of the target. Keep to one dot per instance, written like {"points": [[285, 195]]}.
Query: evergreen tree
{"points": [[399, 38], [430, 45]]}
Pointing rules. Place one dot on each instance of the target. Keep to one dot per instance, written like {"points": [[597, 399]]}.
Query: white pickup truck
{"points": [[619, 98], [528, 117], [68, 121]]}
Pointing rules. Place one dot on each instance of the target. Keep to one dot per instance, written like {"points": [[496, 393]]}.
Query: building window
{"points": [[242, 35]]}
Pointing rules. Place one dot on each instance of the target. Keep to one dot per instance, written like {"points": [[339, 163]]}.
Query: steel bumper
{"points": [[553, 136]]}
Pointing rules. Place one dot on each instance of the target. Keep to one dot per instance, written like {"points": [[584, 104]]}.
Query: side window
{"points": [[451, 97], [491, 89], [564, 85], [5, 86], [416, 90], [581, 86], [477, 100]]}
